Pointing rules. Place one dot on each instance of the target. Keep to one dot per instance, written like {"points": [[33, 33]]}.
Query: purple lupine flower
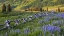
{"points": [[51, 29], [17, 31], [60, 15], [26, 31], [46, 19], [57, 28], [57, 22], [40, 21], [44, 28]]}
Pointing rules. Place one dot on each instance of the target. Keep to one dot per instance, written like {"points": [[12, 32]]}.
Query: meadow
{"points": [[55, 8], [35, 26]]}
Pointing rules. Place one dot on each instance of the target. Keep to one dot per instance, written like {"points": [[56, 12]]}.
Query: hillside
{"points": [[22, 4], [31, 18]]}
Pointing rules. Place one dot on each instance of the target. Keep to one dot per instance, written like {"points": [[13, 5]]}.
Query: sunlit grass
{"points": [[55, 8]]}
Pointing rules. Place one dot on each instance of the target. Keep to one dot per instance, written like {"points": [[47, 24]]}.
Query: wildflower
{"points": [[40, 21], [26, 31], [60, 15], [51, 29], [46, 19], [17, 31], [57, 22]]}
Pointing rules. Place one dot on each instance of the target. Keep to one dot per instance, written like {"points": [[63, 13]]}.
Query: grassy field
{"points": [[33, 27], [55, 8]]}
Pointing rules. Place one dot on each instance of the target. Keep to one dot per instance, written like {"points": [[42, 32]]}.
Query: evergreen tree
{"points": [[9, 8], [4, 8], [58, 9], [41, 9]]}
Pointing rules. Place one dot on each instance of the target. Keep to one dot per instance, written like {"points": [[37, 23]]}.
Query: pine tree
{"points": [[9, 8], [41, 9], [58, 9], [4, 8]]}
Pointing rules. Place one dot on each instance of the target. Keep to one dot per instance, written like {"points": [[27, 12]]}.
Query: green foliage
{"points": [[14, 34], [32, 25], [36, 33]]}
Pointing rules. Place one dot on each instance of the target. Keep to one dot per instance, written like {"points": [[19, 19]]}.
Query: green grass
{"points": [[32, 24]]}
